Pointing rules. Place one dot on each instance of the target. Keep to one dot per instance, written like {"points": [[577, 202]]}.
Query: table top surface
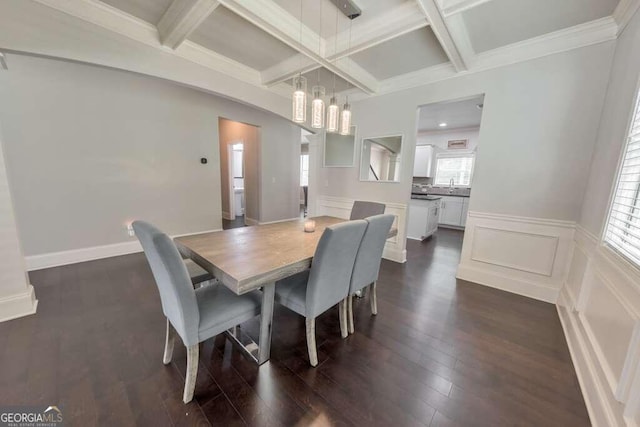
{"points": [[246, 258]]}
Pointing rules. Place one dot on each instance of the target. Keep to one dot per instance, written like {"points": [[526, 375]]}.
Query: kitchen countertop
{"points": [[425, 197]]}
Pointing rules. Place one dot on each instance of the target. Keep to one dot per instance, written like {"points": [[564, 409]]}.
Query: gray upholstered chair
{"points": [[195, 315], [326, 284], [367, 263], [362, 210]]}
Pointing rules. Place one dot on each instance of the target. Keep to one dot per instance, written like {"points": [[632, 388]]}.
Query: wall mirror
{"points": [[380, 161], [339, 150]]}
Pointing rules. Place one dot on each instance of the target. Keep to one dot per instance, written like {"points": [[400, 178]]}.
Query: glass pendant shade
{"points": [[317, 108], [345, 123], [299, 100], [333, 116]]}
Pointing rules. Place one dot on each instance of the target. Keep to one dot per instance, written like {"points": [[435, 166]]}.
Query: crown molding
{"points": [[590, 33], [624, 12], [122, 23]]}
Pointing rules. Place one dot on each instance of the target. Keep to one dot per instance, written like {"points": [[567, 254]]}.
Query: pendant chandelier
{"points": [[317, 105], [299, 98], [335, 120]]}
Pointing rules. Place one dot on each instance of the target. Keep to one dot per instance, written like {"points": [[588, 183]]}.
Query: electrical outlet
{"points": [[130, 230]]}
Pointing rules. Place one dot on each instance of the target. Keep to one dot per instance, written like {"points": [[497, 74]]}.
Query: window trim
{"points": [[635, 266], [455, 155]]}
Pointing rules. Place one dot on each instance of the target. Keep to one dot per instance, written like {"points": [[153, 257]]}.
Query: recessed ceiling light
{"points": [[442, 125]]}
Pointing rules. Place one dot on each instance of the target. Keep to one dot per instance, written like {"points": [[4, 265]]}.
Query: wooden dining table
{"points": [[249, 258]]}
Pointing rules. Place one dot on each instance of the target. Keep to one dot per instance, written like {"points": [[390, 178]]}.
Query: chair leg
{"points": [[342, 312], [373, 297], [168, 344], [350, 313], [193, 353], [311, 341]]}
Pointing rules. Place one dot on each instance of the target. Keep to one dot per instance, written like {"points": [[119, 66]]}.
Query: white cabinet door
{"points": [[418, 217], [434, 214], [423, 160], [465, 211], [451, 211]]}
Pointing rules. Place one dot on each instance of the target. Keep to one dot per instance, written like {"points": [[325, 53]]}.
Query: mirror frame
{"points": [[355, 149], [401, 135]]}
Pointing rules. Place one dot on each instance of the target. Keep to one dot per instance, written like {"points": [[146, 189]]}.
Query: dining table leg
{"points": [[266, 320]]}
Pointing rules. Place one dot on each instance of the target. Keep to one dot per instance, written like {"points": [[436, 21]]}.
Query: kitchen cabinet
{"points": [[465, 211], [451, 211], [422, 164], [423, 218]]}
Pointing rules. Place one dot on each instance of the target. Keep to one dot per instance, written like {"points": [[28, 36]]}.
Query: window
{"points": [[304, 170], [623, 227], [458, 167]]}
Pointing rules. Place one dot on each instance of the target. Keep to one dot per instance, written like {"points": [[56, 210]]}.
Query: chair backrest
{"points": [[332, 266], [367, 264], [362, 210], [172, 278]]}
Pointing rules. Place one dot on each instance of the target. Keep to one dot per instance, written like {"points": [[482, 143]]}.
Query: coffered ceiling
{"points": [[394, 44]]}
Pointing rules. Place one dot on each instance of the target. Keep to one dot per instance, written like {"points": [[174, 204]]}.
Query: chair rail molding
{"points": [[599, 308], [340, 207], [526, 256]]}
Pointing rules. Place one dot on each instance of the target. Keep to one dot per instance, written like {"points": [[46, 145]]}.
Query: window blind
{"points": [[623, 227]]}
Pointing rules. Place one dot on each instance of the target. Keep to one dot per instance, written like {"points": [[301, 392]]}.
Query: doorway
{"points": [[239, 173], [446, 146]]}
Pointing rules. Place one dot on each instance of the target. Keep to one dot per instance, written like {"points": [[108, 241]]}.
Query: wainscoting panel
{"points": [[599, 309], [395, 249], [527, 256]]}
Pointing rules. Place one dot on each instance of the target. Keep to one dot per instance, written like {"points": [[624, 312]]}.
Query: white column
{"points": [[17, 297]]}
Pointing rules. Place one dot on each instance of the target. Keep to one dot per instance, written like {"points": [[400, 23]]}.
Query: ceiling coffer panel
{"points": [[234, 37], [147, 10], [502, 22], [410, 52]]}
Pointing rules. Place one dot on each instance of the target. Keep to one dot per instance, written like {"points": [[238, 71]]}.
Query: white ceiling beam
{"points": [[271, 18], [288, 68], [452, 7], [366, 34], [182, 18], [441, 30]]}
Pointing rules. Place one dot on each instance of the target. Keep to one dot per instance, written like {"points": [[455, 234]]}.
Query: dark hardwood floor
{"points": [[440, 352], [236, 223]]}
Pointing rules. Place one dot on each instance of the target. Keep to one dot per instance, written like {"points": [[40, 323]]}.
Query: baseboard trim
{"points": [[280, 220], [538, 291], [592, 388], [394, 255], [73, 256], [251, 221], [20, 305]]}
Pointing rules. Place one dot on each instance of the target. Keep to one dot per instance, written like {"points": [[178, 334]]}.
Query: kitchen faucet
{"points": [[451, 183]]}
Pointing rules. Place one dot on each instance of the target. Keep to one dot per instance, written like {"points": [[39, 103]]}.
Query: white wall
{"points": [[89, 149], [538, 128], [600, 302], [537, 135]]}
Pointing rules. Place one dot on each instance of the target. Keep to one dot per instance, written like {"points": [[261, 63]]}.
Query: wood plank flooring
{"points": [[440, 352]]}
